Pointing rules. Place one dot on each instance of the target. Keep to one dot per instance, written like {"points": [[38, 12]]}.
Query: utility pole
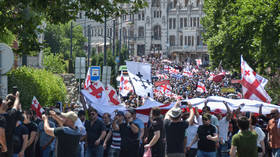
{"points": [[114, 25], [105, 36], [70, 60], [89, 45]]}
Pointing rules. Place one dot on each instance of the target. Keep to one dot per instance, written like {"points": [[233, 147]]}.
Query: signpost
{"points": [[95, 73], [6, 63], [106, 75], [80, 71]]}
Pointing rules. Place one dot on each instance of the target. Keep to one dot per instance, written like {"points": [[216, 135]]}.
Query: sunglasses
{"points": [[205, 119]]}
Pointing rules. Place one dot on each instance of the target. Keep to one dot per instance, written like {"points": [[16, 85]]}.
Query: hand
{"points": [[209, 137], [189, 105], [21, 154], [4, 148], [52, 113], [130, 119], [147, 146], [97, 142], [17, 94], [44, 117], [188, 148], [104, 145], [145, 140]]}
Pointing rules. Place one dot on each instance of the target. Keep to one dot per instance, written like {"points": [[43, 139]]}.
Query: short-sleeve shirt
{"points": [[246, 143], [175, 133], [157, 125], [223, 128], [44, 138], [67, 141], [128, 137], [203, 143], [94, 131], [17, 138], [190, 134], [140, 125], [32, 127]]}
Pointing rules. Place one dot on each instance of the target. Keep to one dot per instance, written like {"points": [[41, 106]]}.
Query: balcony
{"points": [[202, 48]]}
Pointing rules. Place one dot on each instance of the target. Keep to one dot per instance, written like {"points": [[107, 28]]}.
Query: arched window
{"points": [[155, 3], [157, 32]]}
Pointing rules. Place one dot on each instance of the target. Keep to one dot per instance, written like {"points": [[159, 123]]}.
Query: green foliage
{"points": [[47, 87], [53, 62], [22, 18]]}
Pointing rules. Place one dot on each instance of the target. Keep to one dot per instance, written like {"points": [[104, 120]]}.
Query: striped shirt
{"points": [[116, 140]]}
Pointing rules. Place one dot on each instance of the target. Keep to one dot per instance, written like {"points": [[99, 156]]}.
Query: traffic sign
{"points": [[94, 73]]}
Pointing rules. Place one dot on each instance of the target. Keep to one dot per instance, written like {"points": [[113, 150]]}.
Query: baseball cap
{"points": [[70, 115], [175, 112]]}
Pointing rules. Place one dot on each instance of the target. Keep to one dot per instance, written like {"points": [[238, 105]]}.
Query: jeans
{"points": [[114, 152], [46, 152], [96, 151], [205, 154], [223, 150], [276, 152], [81, 152], [15, 155], [191, 153]]}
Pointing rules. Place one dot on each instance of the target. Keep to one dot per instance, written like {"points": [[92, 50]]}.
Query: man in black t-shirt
{"points": [[175, 130], [20, 139], [206, 137], [67, 136], [3, 123], [32, 133]]}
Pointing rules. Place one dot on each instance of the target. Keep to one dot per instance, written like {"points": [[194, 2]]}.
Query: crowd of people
{"points": [[182, 131]]}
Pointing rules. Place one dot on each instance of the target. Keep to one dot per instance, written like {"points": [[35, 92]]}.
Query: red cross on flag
{"points": [[96, 93], [87, 80], [198, 62], [35, 106], [201, 87], [251, 87], [125, 86], [113, 96], [164, 89]]}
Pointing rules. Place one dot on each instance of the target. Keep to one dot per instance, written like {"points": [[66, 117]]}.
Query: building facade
{"points": [[170, 27]]}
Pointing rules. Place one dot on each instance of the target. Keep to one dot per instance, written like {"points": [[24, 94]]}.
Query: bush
{"points": [[53, 62], [46, 86]]}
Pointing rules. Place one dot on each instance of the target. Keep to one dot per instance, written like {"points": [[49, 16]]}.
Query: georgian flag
{"points": [[140, 76], [35, 106], [198, 62], [97, 93], [113, 96], [201, 87], [87, 80], [125, 86], [251, 86], [164, 89]]}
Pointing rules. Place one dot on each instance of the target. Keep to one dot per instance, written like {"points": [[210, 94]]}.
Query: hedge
{"points": [[46, 86]]}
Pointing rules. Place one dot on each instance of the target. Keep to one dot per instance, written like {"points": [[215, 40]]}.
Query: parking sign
{"points": [[95, 73]]}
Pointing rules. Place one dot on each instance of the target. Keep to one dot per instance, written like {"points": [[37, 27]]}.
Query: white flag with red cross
{"points": [[87, 80], [201, 87], [35, 106], [97, 93], [164, 89], [251, 86], [113, 96], [125, 86], [198, 62]]}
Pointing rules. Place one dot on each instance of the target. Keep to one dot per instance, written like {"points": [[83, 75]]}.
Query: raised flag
{"points": [[201, 87], [140, 75], [113, 96], [125, 86], [251, 87], [198, 62], [98, 93], [35, 106], [87, 80]]}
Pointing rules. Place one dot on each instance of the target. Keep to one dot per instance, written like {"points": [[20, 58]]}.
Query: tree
{"points": [[247, 27], [53, 62], [22, 19]]}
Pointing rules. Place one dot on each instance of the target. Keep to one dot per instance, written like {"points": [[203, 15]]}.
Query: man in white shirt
{"points": [[223, 131]]}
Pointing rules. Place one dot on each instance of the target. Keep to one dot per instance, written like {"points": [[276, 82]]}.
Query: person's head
{"points": [[3, 105], [69, 118], [254, 120], [155, 112], [218, 114], [206, 109], [274, 113], [10, 99], [120, 116], [93, 114], [206, 119], [243, 123], [133, 113], [175, 114], [106, 118], [127, 116], [27, 115], [82, 115]]}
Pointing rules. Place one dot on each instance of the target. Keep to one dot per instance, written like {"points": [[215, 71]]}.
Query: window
{"points": [[197, 2], [143, 15], [174, 23], [191, 22], [157, 32], [155, 14], [186, 40], [185, 22], [139, 17], [186, 2], [197, 21], [181, 22], [174, 3], [155, 3], [192, 40], [189, 40], [181, 40], [141, 32], [194, 22], [198, 40], [172, 40], [170, 23]]}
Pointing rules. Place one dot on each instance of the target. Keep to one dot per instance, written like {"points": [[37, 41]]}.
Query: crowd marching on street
{"points": [[183, 130]]}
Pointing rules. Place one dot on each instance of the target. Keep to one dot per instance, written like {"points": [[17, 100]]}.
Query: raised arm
{"points": [[177, 104], [58, 119], [3, 140], [17, 101], [229, 114], [191, 117], [47, 128]]}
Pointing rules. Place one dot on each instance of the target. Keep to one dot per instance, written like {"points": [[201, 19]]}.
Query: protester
{"points": [[20, 140], [3, 123], [129, 132], [155, 134], [81, 127], [96, 132], [273, 129], [175, 130], [207, 137], [260, 133], [68, 136], [107, 121], [244, 143], [32, 130]]}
